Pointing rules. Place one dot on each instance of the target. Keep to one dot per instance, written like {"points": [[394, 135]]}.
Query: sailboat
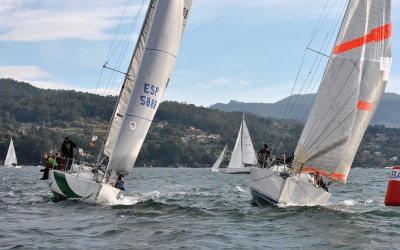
{"points": [[144, 85], [243, 155], [11, 158], [351, 88], [215, 167]]}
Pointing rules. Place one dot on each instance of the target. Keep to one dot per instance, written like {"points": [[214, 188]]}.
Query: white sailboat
{"points": [[351, 88], [11, 158], [144, 85], [215, 167], [243, 155]]}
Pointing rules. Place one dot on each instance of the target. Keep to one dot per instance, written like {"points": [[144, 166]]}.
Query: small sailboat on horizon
{"points": [[351, 88], [11, 157], [243, 154], [217, 164]]}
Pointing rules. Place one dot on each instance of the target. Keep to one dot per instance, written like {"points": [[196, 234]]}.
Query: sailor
{"points": [[50, 163], [120, 183], [262, 155], [67, 151]]}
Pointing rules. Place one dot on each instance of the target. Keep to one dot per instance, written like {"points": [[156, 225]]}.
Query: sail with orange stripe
{"points": [[350, 91]]}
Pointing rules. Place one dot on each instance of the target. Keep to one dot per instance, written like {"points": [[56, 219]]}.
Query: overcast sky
{"points": [[248, 51]]}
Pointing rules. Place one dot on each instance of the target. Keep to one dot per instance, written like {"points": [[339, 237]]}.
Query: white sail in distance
{"points": [[11, 158], [220, 158], [243, 152], [350, 91]]}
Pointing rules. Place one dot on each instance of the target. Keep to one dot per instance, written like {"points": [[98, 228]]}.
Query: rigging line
{"points": [[331, 61], [116, 32], [318, 52], [305, 81], [110, 54], [127, 38], [301, 65], [324, 47], [338, 18]]}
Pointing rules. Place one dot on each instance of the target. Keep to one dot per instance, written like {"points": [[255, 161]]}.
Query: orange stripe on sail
{"points": [[367, 106], [313, 170], [376, 35], [333, 175]]}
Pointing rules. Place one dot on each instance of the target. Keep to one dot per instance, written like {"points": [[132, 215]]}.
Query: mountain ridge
{"points": [[386, 114]]}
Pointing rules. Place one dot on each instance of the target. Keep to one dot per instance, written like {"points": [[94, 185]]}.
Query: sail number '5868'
{"points": [[145, 99]]}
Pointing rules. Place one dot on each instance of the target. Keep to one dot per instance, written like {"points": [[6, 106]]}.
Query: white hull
{"points": [[241, 170], [81, 185], [214, 170], [274, 186]]}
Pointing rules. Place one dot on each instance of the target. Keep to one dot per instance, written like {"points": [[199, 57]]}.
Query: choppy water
{"points": [[194, 209]]}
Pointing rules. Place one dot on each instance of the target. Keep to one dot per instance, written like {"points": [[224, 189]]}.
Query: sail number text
{"points": [[149, 91]]}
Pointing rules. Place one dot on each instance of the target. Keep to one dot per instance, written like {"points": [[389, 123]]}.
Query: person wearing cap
{"points": [[50, 163], [67, 151]]}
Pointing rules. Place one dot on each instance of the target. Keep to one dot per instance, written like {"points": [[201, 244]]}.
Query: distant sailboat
{"points": [[144, 85], [243, 155], [11, 158], [351, 89], [215, 167]]}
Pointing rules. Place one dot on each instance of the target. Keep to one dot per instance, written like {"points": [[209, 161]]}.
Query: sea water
{"points": [[170, 208]]}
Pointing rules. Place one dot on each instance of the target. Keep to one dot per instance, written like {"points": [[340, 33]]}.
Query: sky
{"points": [[247, 51]]}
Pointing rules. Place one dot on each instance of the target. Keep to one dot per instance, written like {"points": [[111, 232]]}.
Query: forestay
{"points": [[148, 75], [350, 91]]}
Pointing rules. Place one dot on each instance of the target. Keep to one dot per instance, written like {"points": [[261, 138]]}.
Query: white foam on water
{"points": [[369, 201], [238, 189], [349, 202]]}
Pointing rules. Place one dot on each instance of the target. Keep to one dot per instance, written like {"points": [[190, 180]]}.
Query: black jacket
{"points": [[68, 153]]}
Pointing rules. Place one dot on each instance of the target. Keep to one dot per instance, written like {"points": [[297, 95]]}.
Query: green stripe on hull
{"points": [[63, 185]]}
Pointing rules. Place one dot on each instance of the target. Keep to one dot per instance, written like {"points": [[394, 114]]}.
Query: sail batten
{"points": [[350, 90]]}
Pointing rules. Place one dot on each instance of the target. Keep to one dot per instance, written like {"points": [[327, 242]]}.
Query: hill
{"points": [[180, 135], [387, 113]]}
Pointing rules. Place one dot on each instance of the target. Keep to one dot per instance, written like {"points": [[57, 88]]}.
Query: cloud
{"points": [[35, 20], [22, 73]]}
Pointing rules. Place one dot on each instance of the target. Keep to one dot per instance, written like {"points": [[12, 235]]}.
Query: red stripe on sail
{"points": [[333, 175], [376, 35], [364, 106]]}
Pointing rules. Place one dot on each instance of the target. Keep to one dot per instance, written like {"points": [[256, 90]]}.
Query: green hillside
{"points": [[180, 135]]}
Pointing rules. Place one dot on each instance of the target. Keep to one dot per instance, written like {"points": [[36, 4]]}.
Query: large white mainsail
{"points": [[146, 81], [351, 89], [11, 158]]}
